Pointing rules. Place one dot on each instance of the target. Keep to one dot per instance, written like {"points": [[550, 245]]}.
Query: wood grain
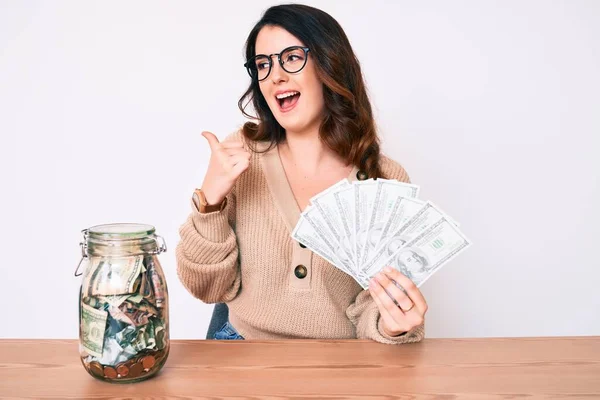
{"points": [[494, 368]]}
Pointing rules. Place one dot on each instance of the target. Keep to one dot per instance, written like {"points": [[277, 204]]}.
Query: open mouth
{"points": [[287, 101]]}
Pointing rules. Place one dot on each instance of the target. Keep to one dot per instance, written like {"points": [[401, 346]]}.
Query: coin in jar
{"points": [[96, 369], [122, 370], [136, 370], [110, 372], [148, 362]]}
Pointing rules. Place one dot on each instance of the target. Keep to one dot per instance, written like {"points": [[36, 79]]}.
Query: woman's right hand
{"points": [[227, 162]]}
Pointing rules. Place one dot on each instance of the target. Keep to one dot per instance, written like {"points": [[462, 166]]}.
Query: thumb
{"points": [[211, 138]]}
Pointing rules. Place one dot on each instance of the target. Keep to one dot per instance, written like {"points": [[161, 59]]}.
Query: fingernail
{"points": [[388, 269]]}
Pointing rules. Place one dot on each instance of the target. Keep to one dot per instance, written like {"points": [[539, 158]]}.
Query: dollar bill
{"points": [[118, 277], [158, 286], [317, 220], [425, 217], [92, 264], [160, 335], [344, 202], [403, 209], [305, 233], [401, 188], [93, 324], [119, 315], [114, 301], [425, 254], [388, 209], [135, 299], [329, 207], [365, 195]]}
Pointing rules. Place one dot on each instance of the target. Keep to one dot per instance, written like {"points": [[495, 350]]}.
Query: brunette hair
{"points": [[348, 127]]}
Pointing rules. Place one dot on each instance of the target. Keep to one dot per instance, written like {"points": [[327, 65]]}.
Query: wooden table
{"points": [[498, 368]]}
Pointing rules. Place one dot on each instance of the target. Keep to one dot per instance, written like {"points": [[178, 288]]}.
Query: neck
{"points": [[308, 153], [305, 147]]}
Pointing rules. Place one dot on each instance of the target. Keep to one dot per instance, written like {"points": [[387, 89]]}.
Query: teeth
{"points": [[287, 94]]}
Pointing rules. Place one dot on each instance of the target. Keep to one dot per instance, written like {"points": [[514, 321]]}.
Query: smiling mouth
{"points": [[288, 102]]}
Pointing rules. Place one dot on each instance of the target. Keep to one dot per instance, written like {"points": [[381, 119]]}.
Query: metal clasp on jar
{"points": [[84, 255]]}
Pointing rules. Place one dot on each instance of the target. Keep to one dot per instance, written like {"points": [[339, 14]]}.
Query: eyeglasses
{"points": [[292, 59]]}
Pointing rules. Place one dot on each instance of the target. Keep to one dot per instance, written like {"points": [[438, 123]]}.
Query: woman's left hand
{"points": [[401, 311]]}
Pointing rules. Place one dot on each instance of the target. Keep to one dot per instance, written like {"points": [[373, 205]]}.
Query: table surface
{"points": [[490, 368]]}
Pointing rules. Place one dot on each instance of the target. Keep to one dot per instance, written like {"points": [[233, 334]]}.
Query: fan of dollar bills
{"points": [[363, 226]]}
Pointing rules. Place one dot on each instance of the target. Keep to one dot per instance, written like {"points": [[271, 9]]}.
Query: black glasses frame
{"points": [[252, 60]]}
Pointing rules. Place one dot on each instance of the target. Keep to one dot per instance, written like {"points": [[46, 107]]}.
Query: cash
{"points": [[93, 324], [123, 316], [112, 275], [363, 226]]}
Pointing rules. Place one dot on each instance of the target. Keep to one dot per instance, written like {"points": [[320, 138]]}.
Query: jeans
{"points": [[228, 332]]}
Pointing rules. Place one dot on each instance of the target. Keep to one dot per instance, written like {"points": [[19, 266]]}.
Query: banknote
{"points": [[92, 264], [114, 301], [403, 189], [425, 217], [426, 253], [305, 233], [365, 195], [328, 207], [318, 221], [394, 202], [344, 201], [403, 209], [93, 325], [119, 277], [158, 285]]}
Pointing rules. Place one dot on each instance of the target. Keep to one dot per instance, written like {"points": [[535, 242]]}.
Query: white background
{"points": [[492, 107]]}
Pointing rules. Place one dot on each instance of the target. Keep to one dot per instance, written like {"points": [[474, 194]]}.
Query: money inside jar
{"points": [[123, 305]]}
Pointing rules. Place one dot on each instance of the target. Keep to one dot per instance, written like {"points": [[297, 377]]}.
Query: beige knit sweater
{"points": [[244, 256]]}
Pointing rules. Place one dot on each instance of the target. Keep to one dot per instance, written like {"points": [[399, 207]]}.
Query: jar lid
{"points": [[123, 231], [120, 239]]}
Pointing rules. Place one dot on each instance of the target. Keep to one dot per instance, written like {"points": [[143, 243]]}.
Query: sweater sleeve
{"points": [[365, 316], [364, 313], [207, 254]]}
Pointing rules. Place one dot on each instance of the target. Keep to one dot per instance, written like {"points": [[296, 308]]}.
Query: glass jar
{"points": [[123, 303]]}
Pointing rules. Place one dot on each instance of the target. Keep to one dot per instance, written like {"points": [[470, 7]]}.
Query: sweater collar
{"points": [[279, 185]]}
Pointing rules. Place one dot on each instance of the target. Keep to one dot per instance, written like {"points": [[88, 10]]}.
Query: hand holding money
{"points": [[362, 227], [227, 162], [401, 304]]}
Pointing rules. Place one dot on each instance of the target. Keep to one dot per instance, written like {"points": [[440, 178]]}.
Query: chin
{"points": [[292, 127], [297, 123]]}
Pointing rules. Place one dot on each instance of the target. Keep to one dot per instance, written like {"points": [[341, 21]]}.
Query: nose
{"points": [[277, 73]]}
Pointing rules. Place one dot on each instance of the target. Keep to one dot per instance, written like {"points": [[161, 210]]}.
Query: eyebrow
{"points": [[279, 51]]}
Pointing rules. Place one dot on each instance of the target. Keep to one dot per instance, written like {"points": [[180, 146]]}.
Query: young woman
{"points": [[315, 127]]}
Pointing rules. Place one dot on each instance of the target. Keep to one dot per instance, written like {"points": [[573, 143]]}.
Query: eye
{"points": [[292, 55], [262, 63]]}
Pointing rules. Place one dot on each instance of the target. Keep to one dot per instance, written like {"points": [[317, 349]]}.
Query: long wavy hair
{"points": [[348, 127]]}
